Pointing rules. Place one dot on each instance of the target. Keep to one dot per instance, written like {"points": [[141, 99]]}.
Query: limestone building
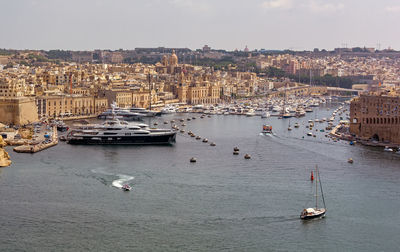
{"points": [[376, 117], [69, 105]]}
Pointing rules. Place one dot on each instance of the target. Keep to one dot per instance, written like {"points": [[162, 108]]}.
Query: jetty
{"points": [[33, 148]]}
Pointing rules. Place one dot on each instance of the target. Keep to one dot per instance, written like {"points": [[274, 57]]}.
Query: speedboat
{"points": [[126, 187]]}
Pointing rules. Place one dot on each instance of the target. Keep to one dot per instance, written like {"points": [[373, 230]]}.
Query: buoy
{"points": [[312, 176], [236, 152], [236, 149], [247, 156], [193, 160], [212, 144]]}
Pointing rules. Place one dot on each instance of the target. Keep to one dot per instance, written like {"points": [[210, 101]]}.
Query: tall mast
{"points": [[322, 191], [316, 187]]}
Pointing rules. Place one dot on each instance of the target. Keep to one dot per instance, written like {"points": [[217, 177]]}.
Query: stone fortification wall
{"points": [[18, 111]]}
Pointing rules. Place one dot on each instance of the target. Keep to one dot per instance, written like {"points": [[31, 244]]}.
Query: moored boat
{"points": [[120, 132]]}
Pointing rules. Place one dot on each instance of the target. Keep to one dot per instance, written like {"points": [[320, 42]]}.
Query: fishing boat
{"points": [[315, 212]]}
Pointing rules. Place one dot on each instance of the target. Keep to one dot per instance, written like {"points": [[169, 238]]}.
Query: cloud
{"points": [[395, 8], [317, 6], [277, 4]]}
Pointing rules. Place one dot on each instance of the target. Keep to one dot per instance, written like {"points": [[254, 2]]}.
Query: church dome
{"points": [[173, 59]]}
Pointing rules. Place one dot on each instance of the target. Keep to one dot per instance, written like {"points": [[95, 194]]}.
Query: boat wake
{"points": [[118, 179], [122, 180]]}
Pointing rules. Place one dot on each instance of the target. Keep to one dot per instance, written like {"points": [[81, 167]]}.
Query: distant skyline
{"points": [[221, 24]]}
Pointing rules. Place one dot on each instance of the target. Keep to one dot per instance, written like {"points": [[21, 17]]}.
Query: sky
{"points": [[221, 24]]}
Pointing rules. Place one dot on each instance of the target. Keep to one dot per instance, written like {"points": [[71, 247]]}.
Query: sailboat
{"points": [[315, 212], [289, 128]]}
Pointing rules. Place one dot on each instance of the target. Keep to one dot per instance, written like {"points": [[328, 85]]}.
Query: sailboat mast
{"points": [[316, 187], [322, 192]]}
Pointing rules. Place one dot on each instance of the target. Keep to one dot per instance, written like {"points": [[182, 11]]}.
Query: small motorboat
{"points": [[126, 187], [388, 149]]}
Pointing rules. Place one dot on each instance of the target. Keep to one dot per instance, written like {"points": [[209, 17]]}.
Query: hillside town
{"points": [[88, 82], [81, 85]]}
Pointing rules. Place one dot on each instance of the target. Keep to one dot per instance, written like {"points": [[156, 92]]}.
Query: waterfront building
{"points": [[376, 117], [69, 105]]}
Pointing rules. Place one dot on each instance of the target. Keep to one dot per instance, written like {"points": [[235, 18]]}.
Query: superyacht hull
{"points": [[162, 139]]}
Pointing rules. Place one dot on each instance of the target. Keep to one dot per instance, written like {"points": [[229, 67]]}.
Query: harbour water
{"points": [[67, 198]]}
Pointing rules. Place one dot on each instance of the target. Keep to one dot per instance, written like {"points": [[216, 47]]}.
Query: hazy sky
{"points": [[222, 24]]}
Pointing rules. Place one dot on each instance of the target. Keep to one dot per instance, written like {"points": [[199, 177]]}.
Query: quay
{"points": [[33, 148], [365, 142]]}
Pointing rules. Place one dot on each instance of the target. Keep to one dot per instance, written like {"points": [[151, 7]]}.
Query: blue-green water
{"points": [[63, 199]]}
